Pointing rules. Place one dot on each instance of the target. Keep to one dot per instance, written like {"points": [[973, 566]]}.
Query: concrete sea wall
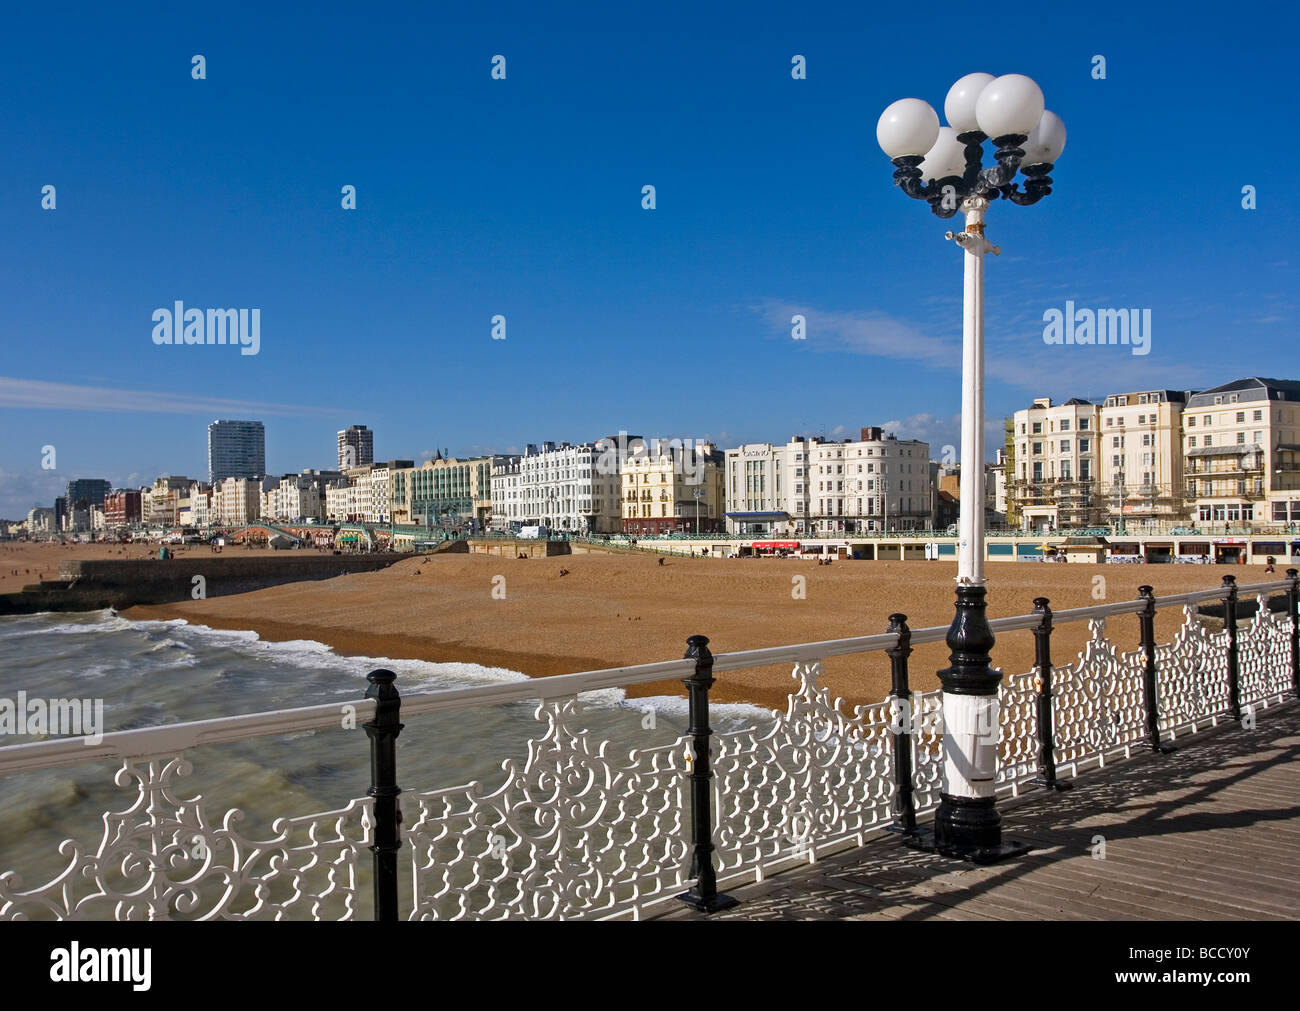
{"points": [[93, 585]]}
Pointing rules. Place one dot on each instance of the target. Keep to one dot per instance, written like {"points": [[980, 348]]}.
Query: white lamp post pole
{"points": [[970, 555], [943, 166]]}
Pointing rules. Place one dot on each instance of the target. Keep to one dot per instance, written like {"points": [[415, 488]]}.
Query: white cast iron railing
{"points": [[574, 832]]}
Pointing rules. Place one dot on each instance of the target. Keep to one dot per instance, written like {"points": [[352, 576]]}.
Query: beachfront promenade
{"points": [[1208, 832]]}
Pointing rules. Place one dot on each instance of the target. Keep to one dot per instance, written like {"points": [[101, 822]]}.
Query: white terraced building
{"points": [[238, 500], [1241, 442], [876, 484], [558, 486], [815, 486], [295, 496]]}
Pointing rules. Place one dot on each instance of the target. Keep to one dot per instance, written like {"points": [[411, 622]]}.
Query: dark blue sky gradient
{"points": [[523, 197]]}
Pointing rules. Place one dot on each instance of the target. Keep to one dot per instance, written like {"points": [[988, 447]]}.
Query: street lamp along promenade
{"points": [[943, 165]]}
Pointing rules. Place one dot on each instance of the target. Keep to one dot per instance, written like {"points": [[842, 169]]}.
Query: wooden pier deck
{"points": [[1209, 832]]}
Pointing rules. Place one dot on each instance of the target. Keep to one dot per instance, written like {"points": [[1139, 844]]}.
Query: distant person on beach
{"points": [[1271, 562]]}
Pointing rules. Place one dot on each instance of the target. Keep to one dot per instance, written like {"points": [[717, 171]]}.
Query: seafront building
{"points": [[668, 486], [1053, 482], [160, 503], [237, 501], [364, 494], [560, 486], [356, 445], [877, 483], [73, 513], [1241, 441], [122, 509], [91, 490], [766, 487], [996, 477], [336, 502], [40, 520], [1140, 458], [236, 449], [197, 510], [444, 491], [293, 497]]}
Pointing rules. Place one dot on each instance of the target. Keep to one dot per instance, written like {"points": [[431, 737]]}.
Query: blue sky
{"points": [[522, 197]]}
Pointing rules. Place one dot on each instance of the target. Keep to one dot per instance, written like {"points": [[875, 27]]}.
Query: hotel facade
{"points": [[564, 487], [1052, 469], [810, 485], [766, 487], [444, 491], [1242, 445], [877, 484], [1140, 470], [669, 487]]}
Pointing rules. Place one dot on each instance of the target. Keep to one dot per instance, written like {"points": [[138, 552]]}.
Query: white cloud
{"points": [[1015, 353], [36, 394], [20, 491], [940, 432]]}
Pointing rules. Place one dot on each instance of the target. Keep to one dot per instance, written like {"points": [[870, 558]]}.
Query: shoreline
{"points": [[348, 643], [575, 613]]}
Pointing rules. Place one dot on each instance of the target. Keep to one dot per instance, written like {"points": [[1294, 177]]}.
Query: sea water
{"points": [[150, 673]]}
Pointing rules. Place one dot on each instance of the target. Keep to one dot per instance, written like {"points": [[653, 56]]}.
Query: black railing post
{"points": [[1150, 691], [1230, 626], [904, 813], [1046, 734], [383, 731], [1293, 608], [704, 896]]}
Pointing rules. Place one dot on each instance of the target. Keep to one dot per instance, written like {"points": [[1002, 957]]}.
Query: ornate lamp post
{"points": [[943, 165]]}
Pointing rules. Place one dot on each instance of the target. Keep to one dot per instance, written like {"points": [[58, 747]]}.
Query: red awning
{"points": [[776, 545]]}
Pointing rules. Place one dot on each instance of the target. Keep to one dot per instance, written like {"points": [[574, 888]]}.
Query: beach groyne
{"points": [[94, 585]]}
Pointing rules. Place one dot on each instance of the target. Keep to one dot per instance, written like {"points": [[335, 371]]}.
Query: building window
{"points": [[1259, 415], [1038, 428], [1259, 437], [1065, 424], [1191, 442], [1209, 440], [1065, 445]]}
